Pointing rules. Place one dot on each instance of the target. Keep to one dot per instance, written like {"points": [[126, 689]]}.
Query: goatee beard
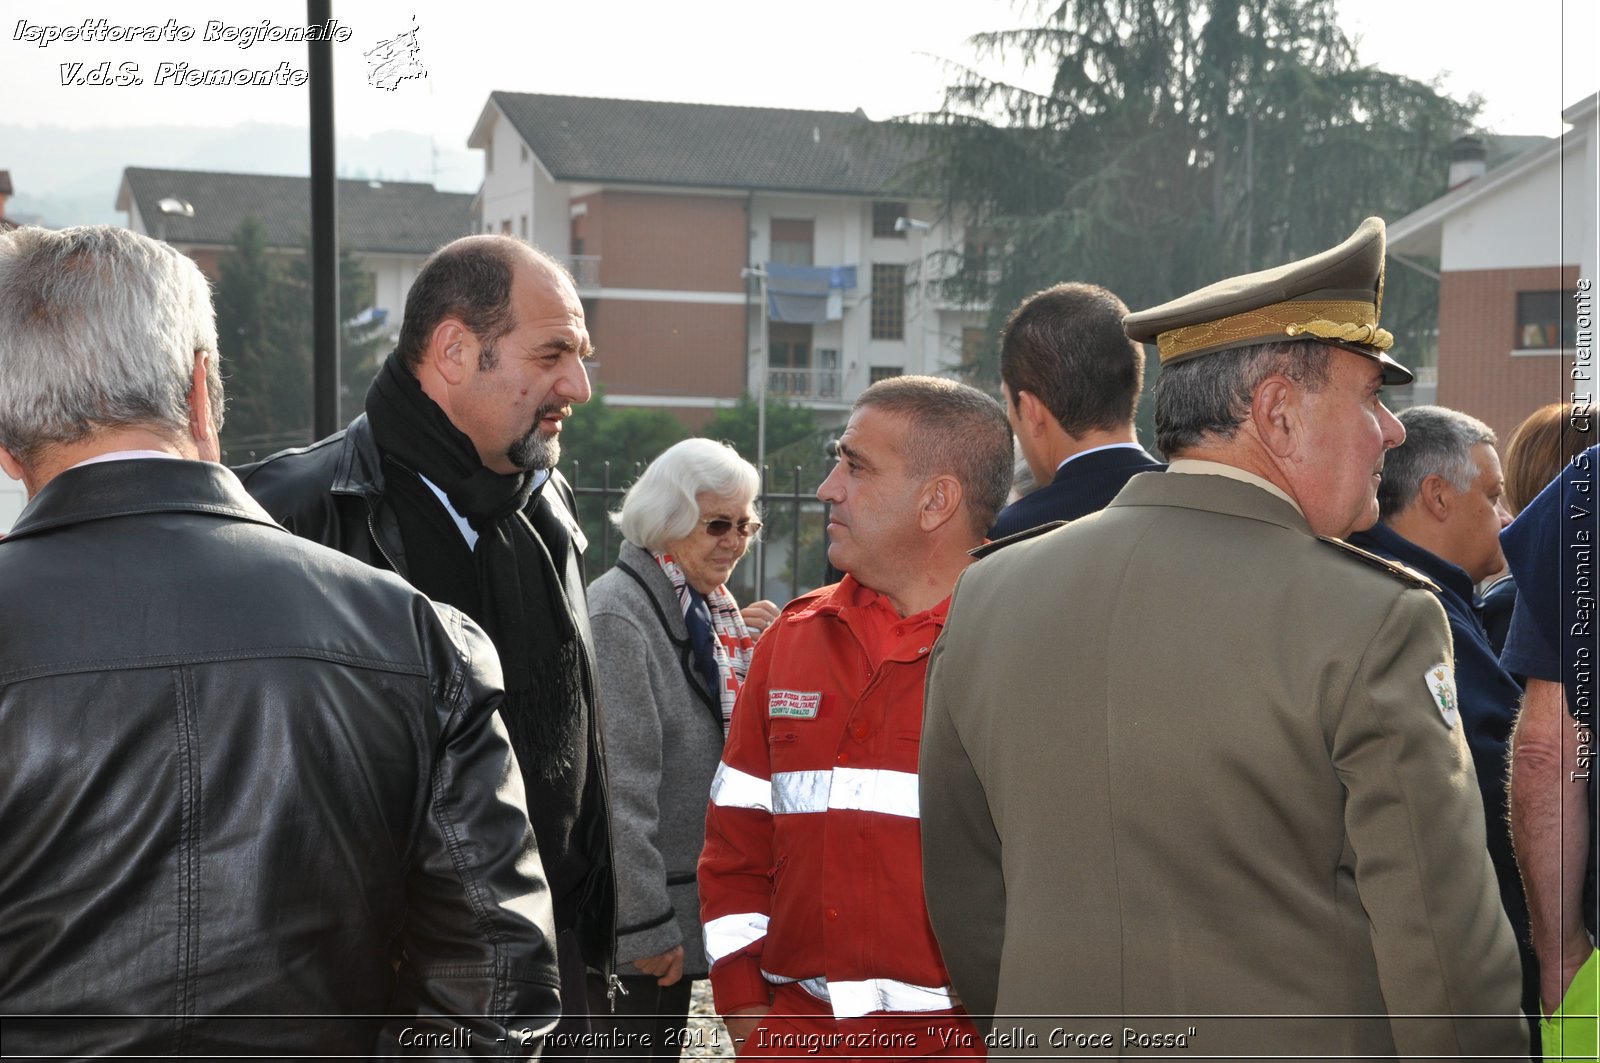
{"points": [[537, 450]]}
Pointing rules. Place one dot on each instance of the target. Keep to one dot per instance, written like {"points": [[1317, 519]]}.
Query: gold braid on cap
{"points": [[1349, 320], [1371, 335]]}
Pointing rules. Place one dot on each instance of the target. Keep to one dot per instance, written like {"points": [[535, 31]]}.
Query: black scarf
{"points": [[519, 599]]}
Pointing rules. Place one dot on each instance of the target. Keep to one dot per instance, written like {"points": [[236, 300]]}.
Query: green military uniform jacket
{"points": [[1182, 759]]}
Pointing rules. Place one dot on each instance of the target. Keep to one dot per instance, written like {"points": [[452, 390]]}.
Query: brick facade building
{"points": [[1512, 244]]}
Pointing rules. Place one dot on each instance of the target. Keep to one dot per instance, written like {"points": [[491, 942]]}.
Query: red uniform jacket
{"points": [[812, 870]]}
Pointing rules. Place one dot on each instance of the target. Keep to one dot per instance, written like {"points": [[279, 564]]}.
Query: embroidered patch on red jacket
{"points": [[799, 704]]}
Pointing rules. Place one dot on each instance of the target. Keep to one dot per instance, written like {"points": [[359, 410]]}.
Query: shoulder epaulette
{"points": [[981, 552], [1404, 573]]}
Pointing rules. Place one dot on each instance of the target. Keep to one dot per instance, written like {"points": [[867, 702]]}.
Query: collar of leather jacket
{"points": [[137, 485]]}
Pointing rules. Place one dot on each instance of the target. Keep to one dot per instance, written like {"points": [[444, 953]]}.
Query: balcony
{"points": [[803, 384], [585, 270]]}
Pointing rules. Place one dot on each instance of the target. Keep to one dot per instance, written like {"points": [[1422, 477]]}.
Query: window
{"points": [[790, 344], [884, 372], [524, 152], [1546, 321], [825, 382], [524, 226], [792, 240], [788, 359], [488, 155], [884, 215], [888, 301], [505, 226]]}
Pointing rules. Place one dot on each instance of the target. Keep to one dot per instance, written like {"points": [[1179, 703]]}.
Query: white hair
{"points": [[99, 327], [663, 504]]}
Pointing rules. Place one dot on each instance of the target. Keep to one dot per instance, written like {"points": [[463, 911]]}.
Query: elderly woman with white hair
{"points": [[673, 647]]}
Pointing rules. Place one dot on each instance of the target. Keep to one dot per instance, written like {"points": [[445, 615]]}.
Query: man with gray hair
{"points": [[257, 796], [1191, 768], [1440, 513]]}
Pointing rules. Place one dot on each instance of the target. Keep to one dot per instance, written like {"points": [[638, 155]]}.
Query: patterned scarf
{"points": [[732, 645]]}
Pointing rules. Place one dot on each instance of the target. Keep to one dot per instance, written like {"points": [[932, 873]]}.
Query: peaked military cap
{"points": [[1334, 297]]}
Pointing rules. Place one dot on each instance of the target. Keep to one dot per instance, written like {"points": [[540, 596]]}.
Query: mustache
{"points": [[548, 410]]}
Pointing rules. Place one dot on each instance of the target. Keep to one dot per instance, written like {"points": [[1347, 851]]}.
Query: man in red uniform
{"points": [[811, 878]]}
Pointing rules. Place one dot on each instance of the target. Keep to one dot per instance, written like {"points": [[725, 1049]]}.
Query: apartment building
{"points": [[390, 227], [679, 221]]}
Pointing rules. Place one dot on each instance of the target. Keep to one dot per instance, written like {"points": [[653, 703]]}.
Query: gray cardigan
{"points": [[663, 733]]}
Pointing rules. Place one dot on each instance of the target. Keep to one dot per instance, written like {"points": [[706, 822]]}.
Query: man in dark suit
{"points": [[1440, 512], [1071, 381]]}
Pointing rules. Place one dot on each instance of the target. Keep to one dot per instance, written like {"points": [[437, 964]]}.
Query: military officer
{"points": [[1192, 766]]}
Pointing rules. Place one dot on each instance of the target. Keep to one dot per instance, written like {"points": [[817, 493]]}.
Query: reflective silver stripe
{"points": [[800, 791], [851, 1000], [727, 934], [732, 788], [894, 793], [817, 987], [776, 979]]}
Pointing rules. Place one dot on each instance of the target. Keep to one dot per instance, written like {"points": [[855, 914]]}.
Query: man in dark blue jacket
{"points": [[1440, 512], [1071, 381], [1550, 549]]}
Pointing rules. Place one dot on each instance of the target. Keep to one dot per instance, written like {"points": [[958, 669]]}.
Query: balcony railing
{"points": [[585, 270], [804, 383]]}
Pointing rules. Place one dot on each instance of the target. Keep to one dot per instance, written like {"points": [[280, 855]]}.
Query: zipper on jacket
{"points": [[372, 530], [613, 987]]}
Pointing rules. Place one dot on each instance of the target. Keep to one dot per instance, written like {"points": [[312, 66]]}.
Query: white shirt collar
{"points": [[1199, 466], [1095, 450], [125, 455], [467, 533]]}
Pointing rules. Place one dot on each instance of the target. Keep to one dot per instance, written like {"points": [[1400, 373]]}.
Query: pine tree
{"points": [[266, 361], [1179, 142]]}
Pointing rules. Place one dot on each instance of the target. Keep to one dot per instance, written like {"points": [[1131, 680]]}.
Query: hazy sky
{"points": [[886, 56]]}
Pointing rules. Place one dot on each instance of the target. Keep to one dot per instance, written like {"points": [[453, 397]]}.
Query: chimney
{"points": [[1469, 159]]}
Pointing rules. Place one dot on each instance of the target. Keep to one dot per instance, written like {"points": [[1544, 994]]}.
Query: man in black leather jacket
{"points": [[257, 797], [448, 479]]}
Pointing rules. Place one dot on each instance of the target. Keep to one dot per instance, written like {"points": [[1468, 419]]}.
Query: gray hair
{"points": [[1208, 398], [663, 504], [953, 428], [1438, 442], [99, 327]]}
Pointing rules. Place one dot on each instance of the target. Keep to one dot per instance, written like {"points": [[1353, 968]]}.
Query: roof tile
{"points": [[582, 138]]}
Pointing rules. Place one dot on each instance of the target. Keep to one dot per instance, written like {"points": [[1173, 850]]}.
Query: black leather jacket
{"points": [[252, 792], [333, 492]]}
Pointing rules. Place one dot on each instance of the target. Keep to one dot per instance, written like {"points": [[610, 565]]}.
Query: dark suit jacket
{"points": [[1084, 485], [1489, 697]]}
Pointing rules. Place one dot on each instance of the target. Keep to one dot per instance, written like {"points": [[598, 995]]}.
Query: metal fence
{"points": [[789, 559]]}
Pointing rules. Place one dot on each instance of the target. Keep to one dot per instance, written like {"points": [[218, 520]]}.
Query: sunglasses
{"points": [[717, 527]]}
